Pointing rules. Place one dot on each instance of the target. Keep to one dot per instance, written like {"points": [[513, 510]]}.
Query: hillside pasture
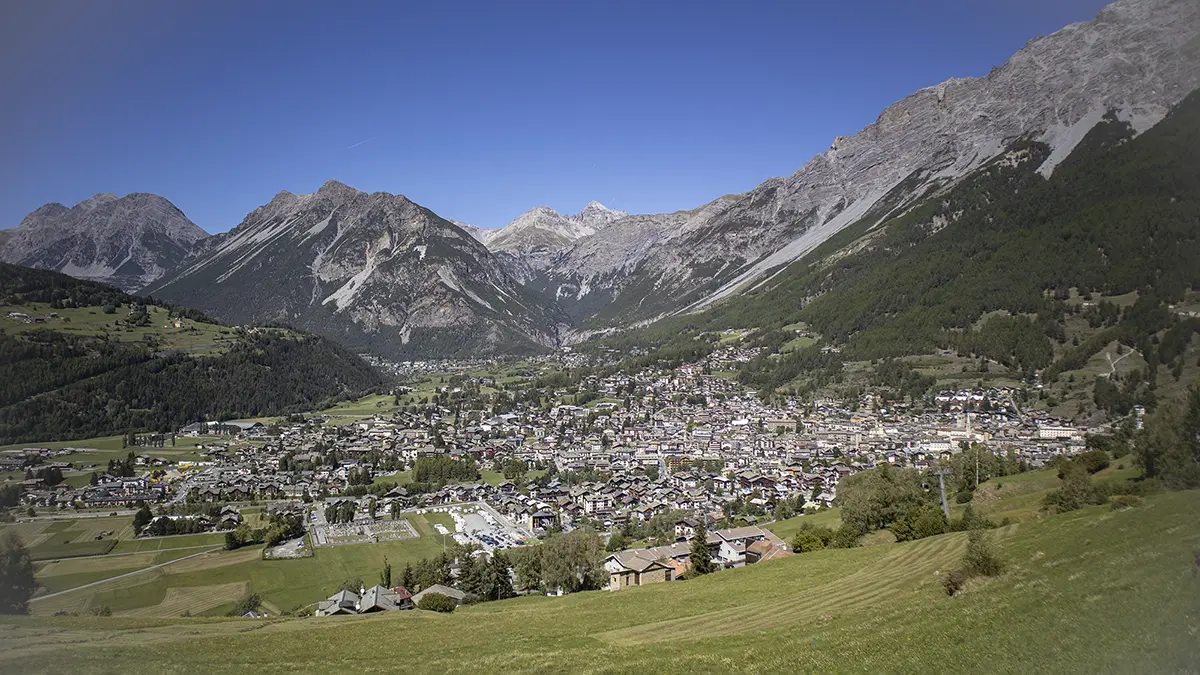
{"points": [[1095, 590]]}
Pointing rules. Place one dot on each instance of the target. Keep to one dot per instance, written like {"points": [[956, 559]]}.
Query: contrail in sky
{"points": [[360, 143]]}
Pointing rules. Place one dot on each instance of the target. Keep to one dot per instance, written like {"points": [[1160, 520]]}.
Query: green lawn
{"points": [[1091, 591]]}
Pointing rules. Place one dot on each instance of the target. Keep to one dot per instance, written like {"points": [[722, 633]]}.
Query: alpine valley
{"points": [[384, 275]]}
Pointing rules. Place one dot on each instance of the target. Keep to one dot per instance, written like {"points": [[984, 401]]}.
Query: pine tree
{"points": [[701, 559], [385, 577]]}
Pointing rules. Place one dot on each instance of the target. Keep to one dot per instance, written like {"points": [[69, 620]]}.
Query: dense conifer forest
{"points": [[64, 386]]}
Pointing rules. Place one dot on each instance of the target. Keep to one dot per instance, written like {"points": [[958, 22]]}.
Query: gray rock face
{"points": [[128, 242], [375, 271], [536, 236], [1139, 57]]}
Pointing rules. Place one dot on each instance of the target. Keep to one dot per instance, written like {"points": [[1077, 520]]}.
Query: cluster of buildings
{"points": [[635, 445]]}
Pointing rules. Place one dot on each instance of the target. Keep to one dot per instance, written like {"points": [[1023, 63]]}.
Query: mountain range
{"points": [[383, 274]]}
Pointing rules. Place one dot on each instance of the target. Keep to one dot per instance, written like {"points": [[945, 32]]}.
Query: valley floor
{"points": [[1096, 590]]}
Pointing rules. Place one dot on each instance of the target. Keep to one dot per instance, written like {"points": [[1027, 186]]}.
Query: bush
{"points": [[971, 521], [247, 604], [963, 496], [923, 521], [436, 602], [1093, 460], [954, 582], [1076, 492], [980, 558], [102, 610], [812, 538], [1124, 502]]}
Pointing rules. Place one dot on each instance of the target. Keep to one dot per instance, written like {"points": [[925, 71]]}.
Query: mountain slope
{"points": [[97, 362], [1008, 273], [128, 242], [1137, 57], [374, 271]]}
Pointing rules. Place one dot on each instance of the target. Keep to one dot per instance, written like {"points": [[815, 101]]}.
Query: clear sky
{"points": [[477, 110]]}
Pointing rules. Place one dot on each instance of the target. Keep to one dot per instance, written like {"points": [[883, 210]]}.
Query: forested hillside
{"points": [[1001, 267], [82, 359]]}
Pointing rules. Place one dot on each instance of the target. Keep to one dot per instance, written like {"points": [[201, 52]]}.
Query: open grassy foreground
{"points": [[1091, 591]]}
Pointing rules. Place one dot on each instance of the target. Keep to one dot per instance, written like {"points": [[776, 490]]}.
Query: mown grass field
{"points": [[1091, 591], [217, 579]]}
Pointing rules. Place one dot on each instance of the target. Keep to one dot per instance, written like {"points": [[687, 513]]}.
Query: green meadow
{"points": [[1096, 590]]}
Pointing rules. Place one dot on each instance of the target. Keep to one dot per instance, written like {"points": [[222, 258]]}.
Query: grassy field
{"points": [[191, 336], [51, 539], [786, 529], [219, 578], [97, 451], [368, 406], [1091, 591]]}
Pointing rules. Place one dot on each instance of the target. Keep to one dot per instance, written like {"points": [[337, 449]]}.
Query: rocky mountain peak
{"points": [[596, 215], [128, 241], [336, 190], [96, 200]]}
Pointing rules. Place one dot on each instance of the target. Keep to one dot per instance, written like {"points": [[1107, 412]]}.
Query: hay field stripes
{"points": [[194, 599], [904, 569], [127, 580]]}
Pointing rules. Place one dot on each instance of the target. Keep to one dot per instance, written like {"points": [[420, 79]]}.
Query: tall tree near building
{"points": [[701, 559]]}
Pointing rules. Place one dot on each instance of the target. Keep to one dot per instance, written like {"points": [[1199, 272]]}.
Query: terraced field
{"points": [[1096, 590]]}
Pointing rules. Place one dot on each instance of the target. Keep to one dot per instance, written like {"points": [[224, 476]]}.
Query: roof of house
{"points": [[765, 550], [443, 590], [377, 597], [638, 559]]}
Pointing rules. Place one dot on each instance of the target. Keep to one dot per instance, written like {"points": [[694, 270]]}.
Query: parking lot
{"points": [[479, 524]]}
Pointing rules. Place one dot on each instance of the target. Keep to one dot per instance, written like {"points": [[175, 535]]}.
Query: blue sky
{"points": [[477, 110]]}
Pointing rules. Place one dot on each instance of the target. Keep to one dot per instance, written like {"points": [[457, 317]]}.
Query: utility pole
{"points": [[977, 466], [941, 473]]}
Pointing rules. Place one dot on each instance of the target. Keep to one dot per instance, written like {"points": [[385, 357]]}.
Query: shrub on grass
{"points": [[980, 558], [1076, 491], [436, 602], [954, 582], [963, 496], [811, 538], [247, 604], [1124, 502], [971, 520]]}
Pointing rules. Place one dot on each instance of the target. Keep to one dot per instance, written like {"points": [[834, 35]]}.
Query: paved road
{"points": [[122, 576]]}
